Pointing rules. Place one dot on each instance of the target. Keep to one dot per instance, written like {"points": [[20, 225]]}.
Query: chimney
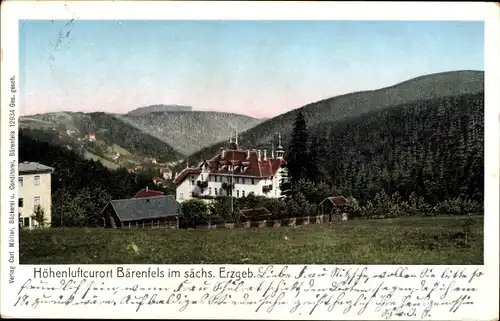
{"points": [[146, 188], [248, 154], [258, 155], [272, 151], [222, 152], [265, 154]]}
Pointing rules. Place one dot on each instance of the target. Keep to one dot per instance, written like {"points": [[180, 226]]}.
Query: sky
{"points": [[256, 68]]}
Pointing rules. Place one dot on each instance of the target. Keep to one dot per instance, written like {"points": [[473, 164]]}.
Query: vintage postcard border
{"points": [[485, 298]]}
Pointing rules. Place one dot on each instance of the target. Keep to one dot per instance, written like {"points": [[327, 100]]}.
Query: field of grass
{"points": [[424, 240]]}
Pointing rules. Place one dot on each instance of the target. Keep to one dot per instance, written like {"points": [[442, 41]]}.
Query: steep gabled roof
{"points": [[145, 208], [244, 163]]}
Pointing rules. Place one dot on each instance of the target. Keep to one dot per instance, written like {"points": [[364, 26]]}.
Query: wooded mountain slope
{"points": [[113, 135], [434, 148], [355, 104], [188, 132]]}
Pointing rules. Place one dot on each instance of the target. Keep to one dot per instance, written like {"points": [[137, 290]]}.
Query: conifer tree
{"points": [[297, 151], [314, 168]]}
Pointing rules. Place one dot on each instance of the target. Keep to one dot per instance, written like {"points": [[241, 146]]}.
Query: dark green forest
{"points": [[80, 187], [434, 148]]}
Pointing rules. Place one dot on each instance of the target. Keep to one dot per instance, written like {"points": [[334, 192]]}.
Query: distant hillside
{"points": [[355, 104], [189, 132], [114, 142], [159, 108]]}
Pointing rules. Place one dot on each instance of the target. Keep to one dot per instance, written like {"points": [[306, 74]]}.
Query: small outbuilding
{"points": [[144, 212], [331, 205], [254, 214]]}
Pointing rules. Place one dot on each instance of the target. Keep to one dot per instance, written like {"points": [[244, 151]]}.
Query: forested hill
{"points": [[80, 187], [188, 132], [356, 104], [434, 148]]}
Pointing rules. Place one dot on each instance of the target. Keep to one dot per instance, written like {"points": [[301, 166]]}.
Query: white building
{"points": [[246, 171], [34, 189]]}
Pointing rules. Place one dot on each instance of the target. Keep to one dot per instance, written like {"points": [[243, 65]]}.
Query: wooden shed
{"points": [[145, 212], [330, 205]]}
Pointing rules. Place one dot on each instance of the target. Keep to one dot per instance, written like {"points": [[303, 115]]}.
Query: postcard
{"points": [[250, 160]]}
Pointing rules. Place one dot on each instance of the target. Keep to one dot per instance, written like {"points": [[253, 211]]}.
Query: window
{"points": [[20, 182], [209, 191], [253, 181], [243, 193], [21, 202], [192, 182], [26, 222], [37, 180], [182, 196], [237, 193], [36, 200], [215, 191], [237, 180]]}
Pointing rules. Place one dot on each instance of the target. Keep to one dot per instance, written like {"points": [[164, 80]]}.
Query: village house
{"points": [[234, 172], [143, 212], [35, 181]]}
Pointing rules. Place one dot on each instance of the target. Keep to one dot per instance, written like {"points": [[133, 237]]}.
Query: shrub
{"points": [[195, 212], [39, 216], [457, 206]]}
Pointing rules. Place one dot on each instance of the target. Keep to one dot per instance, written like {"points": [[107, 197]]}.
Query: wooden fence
{"points": [[274, 223]]}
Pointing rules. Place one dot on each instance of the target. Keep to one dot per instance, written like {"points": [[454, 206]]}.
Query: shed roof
{"points": [[145, 208], [336, 200]]}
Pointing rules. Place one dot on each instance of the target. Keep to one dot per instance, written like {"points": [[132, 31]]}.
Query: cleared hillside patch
{"points": [[423, 240], [105, 162]]}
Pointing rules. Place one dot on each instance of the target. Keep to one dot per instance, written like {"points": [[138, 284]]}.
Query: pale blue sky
{"points": [[258, 68]]}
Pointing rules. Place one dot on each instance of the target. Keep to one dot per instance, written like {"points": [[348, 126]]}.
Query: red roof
{"points": [[336, 200], [147, 193], [244, 162]]}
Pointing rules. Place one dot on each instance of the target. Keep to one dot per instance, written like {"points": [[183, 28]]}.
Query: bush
{"points": [[298, 206], [195, 213], [457, 206], [352, 207]]}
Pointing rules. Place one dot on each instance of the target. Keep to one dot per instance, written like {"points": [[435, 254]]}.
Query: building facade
{"points": [[35, 189], [234, 172]]}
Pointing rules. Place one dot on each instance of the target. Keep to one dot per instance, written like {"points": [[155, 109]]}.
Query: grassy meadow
{"points": [[419, 240]]}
